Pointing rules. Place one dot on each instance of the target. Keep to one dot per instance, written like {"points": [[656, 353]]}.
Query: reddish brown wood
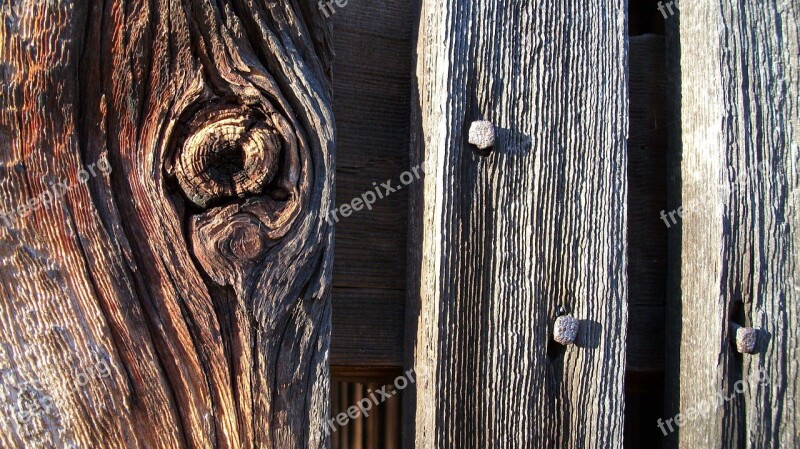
{"points": [[191, 258]]}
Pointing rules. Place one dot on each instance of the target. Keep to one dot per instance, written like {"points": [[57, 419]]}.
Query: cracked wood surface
{"points": [[176, 293], [738, 242], [500, 242]]}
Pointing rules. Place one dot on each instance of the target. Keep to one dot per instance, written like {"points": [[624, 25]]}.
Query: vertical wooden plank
{"points": [[166, 168], [499, 242], [357, 425], [673, 316], [344, 400], [647, 193], [647, 236], [740, 232], [391, 428], [373, 421], [335, 408]]}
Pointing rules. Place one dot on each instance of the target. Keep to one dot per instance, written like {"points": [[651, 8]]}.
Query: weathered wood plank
{"points": [[498, 243], [740, 232], [178, 297]]}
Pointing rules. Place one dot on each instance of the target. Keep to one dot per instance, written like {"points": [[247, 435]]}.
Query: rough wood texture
{"points": [[178, 296], [499, 242], [740, 106]]}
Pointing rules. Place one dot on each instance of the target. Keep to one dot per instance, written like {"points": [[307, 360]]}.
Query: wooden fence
{"points": [[231, 224]]}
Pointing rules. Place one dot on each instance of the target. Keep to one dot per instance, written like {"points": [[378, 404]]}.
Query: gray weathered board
{"points": [[738, 244], [500, 242]]}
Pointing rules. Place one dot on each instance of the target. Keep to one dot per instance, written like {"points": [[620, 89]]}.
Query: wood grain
{"points": [[740, 233], [197, 268], [498, 243]]}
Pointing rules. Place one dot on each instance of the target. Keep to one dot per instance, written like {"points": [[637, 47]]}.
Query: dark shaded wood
{"points": [[645, 349], [179, 295], [740, 230], [647, 178], [368, 327], [498, 243], [372, 80], [647, 239], [647, 197], [380, 374], [643, 407], [672, 325], [644, 17]]}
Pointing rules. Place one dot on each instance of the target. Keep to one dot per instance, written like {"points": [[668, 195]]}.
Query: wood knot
{"points": [[241, 166], [224, 245], [230, 155]]}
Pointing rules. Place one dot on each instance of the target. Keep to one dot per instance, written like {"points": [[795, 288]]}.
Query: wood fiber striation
{"points": [[197, 267], [501, 241], [739, 185]]}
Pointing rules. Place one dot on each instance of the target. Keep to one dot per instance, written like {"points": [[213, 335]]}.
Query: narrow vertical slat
{"points": [[356, 426], [335, 407], [391, 425], [344, 399], [373, 422]]}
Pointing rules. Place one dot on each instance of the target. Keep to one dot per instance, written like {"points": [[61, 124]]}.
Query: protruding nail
{"points": [[565, 330], [746, 338], [481, 134]]}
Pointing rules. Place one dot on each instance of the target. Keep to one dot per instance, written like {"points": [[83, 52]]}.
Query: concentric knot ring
{"points": [[231, 157]]}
